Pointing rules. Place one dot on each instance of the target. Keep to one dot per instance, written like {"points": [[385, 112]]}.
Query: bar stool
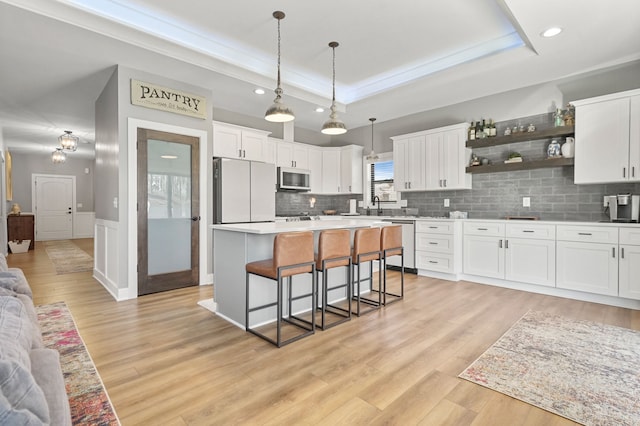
{"points": [[366, 248], [292, 255], [334, 250], [391, 245]]}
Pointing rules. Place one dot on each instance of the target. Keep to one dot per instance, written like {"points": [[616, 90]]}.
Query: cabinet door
{"points": [[351, 170], [433, 179], [531, 261], [483, 256], [330, 171], [634, 140], [315, 167], [227, 142], [454, 157], [602, 142], [415, 162], [253, 145], [629, 272], [589, 267], [300, 156], [269, 153], [284, 154], [400, 172]]}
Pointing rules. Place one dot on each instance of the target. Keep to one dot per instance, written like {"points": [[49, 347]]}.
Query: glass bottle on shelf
{"points": [[558, 118], [492, 129], [486, 128], [472, 131]]}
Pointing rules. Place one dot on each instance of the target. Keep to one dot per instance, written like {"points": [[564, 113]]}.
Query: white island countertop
{"points": [[306, 225]]}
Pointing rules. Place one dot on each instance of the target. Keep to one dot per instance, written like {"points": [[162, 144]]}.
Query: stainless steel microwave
{"points": [[291, 179]]}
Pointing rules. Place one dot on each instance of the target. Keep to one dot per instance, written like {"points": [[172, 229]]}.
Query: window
{"points": [[381, 181]]}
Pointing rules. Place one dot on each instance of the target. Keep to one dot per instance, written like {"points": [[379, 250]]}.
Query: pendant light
{"points": [[279, 112], [333, 126], [58, 156], [68, 142], [372, 155]]}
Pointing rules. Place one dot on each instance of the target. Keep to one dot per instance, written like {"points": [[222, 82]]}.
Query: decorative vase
{"points": [[569, 148], [554, 150]]}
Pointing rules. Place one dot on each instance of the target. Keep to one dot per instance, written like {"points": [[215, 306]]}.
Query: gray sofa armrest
{"points": [[45, 367]]}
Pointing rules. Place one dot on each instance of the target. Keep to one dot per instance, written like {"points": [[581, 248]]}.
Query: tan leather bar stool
{"points": [[334, 250], [366, 249], [391, 245], [292, 255]]}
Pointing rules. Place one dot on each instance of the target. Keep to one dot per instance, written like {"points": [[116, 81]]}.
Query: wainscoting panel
{"points": [[83, 224], [106, 257]]}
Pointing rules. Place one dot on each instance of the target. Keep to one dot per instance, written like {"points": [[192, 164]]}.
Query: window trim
{"points": [[366, 183]]}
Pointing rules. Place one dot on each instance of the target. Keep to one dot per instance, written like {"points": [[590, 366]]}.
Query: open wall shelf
{"points": [[525, 165], [522, 137]]}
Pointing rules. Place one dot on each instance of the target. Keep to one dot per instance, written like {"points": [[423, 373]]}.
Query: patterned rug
{"points": [[584, 371], [68, 257], [90, 404]]}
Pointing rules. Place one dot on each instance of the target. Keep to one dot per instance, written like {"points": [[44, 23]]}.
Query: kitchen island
{"points": [[235, 245]]}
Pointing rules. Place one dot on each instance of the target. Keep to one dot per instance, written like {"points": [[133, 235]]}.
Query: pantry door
{"points": [[53, 206], [168, 211]]}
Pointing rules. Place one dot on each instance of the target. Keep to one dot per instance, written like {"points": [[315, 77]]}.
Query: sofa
{"points": [[32, 389]]}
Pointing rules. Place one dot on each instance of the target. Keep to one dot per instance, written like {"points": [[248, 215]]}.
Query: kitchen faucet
{"points": [[379, 211]]}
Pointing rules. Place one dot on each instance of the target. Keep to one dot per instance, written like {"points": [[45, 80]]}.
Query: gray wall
{"points": [[24, 165]]}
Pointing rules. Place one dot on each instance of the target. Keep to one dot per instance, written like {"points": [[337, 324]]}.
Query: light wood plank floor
{"points": [[165, 360]]}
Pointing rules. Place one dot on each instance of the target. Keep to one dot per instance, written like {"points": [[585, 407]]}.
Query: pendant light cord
{"points": [[279, 19], [334, 74]]}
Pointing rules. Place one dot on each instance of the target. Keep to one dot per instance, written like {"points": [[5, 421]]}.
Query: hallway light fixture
{"points": [[58, 156], [279, 112], [333, 126], [68, 142], [372, 155]]}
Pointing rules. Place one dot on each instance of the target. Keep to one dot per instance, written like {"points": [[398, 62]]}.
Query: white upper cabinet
{"points": [[608, 138], [238, 142], [432, 160], [292, 154], [351, 169], [315, 167], [409, 163], [330, 170]]}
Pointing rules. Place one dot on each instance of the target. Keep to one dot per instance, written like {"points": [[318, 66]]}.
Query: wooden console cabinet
{"points": [[21, 227]]}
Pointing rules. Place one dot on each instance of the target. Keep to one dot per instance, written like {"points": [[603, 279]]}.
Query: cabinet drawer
{"points": [[630, 236], [492, 229], [525, 230], [434, 242], [434, 261], [588, 234], [434, 227]]}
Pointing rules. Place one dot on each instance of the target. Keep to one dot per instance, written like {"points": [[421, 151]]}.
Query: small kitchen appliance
{"points": [[623, 208]]}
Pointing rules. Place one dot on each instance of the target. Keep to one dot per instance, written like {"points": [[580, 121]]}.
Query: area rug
{"points": [[68, 257], [90, 404], [581, 370]]}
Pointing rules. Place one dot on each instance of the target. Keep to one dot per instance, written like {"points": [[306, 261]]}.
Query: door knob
{"points": [[195, 218]]}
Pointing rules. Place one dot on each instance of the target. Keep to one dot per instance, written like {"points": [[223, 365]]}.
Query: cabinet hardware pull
{"points": [[527, 230], [624, 172], [445, 182], [409, 185], [432, 243], [500, 244], [483, 229], [240, 153], [432, 261], [622, 253], [633, 171], [433, 227], [244, 153], [613, 252], [584, 233], [506, 244]]}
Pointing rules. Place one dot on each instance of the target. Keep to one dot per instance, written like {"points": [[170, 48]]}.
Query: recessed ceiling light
{"points": [[258, 91], [319, 109], [169, 157], [551, 32]]}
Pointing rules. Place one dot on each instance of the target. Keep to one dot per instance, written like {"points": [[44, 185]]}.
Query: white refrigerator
{"points": [[243, 191]]}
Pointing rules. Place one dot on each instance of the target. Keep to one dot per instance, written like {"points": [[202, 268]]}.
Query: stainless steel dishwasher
{"points": [[408, 241]]}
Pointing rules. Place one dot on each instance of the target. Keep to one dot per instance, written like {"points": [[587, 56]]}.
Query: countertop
{"points": [[308, 225]]}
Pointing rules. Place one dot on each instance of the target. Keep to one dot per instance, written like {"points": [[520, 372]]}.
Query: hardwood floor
{"points": [[166, 360]]}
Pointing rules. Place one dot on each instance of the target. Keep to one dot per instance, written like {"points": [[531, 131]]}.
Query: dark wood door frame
{"points": [[163, 282]]}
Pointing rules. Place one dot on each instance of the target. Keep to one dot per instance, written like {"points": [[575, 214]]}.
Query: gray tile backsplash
{"points": [[295, 203]]}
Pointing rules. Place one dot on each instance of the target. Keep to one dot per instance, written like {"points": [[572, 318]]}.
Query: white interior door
{"points": [[54, 207]]}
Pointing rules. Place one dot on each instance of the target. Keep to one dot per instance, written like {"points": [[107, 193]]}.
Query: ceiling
{"points": [[394, 59]]}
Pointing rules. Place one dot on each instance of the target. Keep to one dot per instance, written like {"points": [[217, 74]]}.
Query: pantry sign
{"points": [[171, 100]]}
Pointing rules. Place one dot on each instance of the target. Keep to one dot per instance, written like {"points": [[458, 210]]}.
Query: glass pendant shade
{"points": [[58, 156], [278, 112], [333, 126], [68, 142], [372, 155]]}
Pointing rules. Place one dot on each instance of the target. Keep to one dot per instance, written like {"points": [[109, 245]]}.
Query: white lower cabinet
{"points": [[588, 259], [629, 263], [514, 252], [436, 246]]}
